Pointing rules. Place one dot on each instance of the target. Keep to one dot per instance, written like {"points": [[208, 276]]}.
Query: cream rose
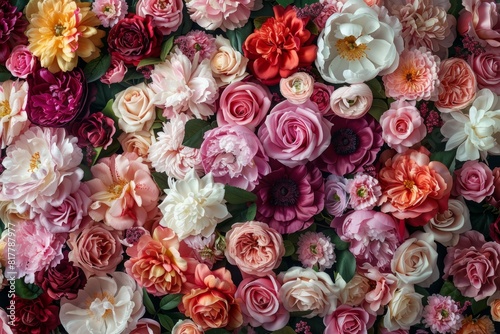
{"points": [[134, 108], [351, 102], [137, 142], [227, 64], [494, 303], [404, 310], [297, 88], [415, 261], [352, 293]]}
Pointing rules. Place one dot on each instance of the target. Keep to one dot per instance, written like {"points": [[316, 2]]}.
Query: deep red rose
{"points": [[134, 38], [37, 316], [12, 27], [96, 130], [63, 280]]}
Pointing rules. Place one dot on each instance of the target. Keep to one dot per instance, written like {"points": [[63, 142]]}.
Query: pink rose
{"points": [[147, 326], [351, 102], [495, 197], [402, 125], [167, 15], [321, 97], [21, 62], [458, 85], [297, 88], [347, 320], [260, 303], [486, 67], [474, 265], [383, 287], [254, 247], [115, 73], [244, 103], [480, 19], [294, 134], [474, 181]]}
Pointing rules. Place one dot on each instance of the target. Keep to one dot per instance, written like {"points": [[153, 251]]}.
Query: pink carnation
{"points": [[196, 41], [364, 191], [109, 12], [316, 249], [442, 314], [167, 15], [224, 14]]}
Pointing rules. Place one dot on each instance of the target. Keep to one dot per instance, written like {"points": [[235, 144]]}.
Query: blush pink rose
{"points": [[458, 85], [294, 134], [486, 67], [383, 287], [347, 320], [480, 19], [402, 125], [115, 73], [4, 322], [244, 103], [167, 15], [351, 102], [254, 247], [321, 97], [147, 326], [474, 181], [21, 62], [260, 303]]}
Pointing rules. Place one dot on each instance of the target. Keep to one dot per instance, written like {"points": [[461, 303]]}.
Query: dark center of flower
{"points": [[284, 192], [133, 234], [59, 29], [444, 313], [313, 249], [345, 141]]}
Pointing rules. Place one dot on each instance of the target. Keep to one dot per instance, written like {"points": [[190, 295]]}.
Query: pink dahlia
{"points": [[224, 14], [12, 27], [442, 314], [316, 249], [288, 198], [364, 191], [354, 144]]}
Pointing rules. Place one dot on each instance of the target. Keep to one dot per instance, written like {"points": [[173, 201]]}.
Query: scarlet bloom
{"points": [[280, 46]]}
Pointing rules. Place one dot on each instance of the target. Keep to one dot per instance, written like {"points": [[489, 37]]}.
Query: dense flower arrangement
{"points": [[250, 166]]}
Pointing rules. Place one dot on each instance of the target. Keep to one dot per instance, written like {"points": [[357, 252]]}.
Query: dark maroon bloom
{"points": [[495, 230], [96, 130], [355, 143], [134, 38], [37, 316], [56, 99], [288, 198], [12, 27]]}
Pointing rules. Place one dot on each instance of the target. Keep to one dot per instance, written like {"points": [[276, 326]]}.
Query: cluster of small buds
{"points": [[309, 10], [472, 45], [89, 154], [431, 117], [302, 327], [370, 170], [146, 71], [133, 234]]}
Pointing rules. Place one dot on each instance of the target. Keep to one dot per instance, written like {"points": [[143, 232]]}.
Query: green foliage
{"points": [[4, 74], [379, 106], [238, 36], [284, 330], [235, 195], [96, 68], [161, 180], [166, 322], [346, 265], [171, 301], [147, 302], [194, 131], [289, 248], [166, 48], [149, 61], [27, 290]]}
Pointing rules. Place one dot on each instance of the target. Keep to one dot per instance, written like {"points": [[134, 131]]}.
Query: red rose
{"points": [[37, 316], [134, 38], [96, 130]]}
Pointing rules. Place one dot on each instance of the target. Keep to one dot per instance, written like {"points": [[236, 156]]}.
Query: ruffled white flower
{"points": [[13, 117], [182, 86], [358, 43], [448, 225], [477, 133], [107, 305], [194, 206]]}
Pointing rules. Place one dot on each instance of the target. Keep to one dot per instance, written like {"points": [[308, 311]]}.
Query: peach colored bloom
{"points": [[297, 88], [186, 327], [134, 108], [138, 142], [458, 85], [481, 325], [227, 64], [494, 303], [413, 187]]}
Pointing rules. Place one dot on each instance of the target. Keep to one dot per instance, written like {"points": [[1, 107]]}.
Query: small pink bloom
{"points": [[383, 287], [364, 191], [167, 15], [336, 195], [330, 7], [351, 102], [316, 249], [481, 20], [321, 97], [115, 73], [474, 181], [147, 326], [297, 88], [186, 327], [21, 62], [196, 41], [442, 314], [109, 12]]}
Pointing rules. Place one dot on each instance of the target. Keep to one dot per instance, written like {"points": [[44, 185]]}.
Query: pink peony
{"points": [[474, 181], [288, 198], [235, 156], [442, 314], [364, 192], [223, 14], [294, 134], [347, 320], [167, 15], [402, 125], [109, 12], [480, 19], [383, 286], [21, 62], [316, 250], [336, 195], [458, 85], [486, 67]]}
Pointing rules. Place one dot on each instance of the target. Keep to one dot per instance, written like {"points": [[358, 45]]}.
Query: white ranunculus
{"points": [[448, 225], [358, 43], [404, 310], [194, 206]]}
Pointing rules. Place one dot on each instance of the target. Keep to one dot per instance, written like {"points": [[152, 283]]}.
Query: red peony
{"points": [[280, 46], [37, 316], [96, 130]]}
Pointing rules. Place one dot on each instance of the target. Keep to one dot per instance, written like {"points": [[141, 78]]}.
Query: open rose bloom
{"points": [[250, 166]]}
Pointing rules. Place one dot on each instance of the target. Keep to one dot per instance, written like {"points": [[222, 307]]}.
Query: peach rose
{"points": [[147, 326], [458, 85], [137, 142], [186, 327], [481, 325], [134, 108], [383, 285], [254, 247], [227, 64], [297, 88], [351, 102], [494, 303]]}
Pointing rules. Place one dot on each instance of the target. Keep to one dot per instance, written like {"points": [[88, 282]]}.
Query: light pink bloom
{"points": [[207, 250], [415, 78], [442, 314], [168, 155], [480, 19], [486, 67], [109, 12], [235, 156], [383, 287], [316, 249], [347, 320], [123, 192], [402, 125], [330, 7], [13, 117], [147, 326], [474, 181], [364, 191], [21, 62], [115, 73], [186, 326], [297, 88], [167, 15], [137, 142], [223, 14], [336, 195], [351, 102], [458, 85]]}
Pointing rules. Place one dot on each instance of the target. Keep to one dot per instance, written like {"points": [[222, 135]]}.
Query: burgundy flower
{"points": [[63, 280], [134, 38], [355, 143], [96, 130], [495, 230], [56, 99], [39, 316], [12, 27], [288, 198]]}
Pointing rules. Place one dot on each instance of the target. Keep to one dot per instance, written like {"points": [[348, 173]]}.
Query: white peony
{"points": [[193, 206], [13, 117]]}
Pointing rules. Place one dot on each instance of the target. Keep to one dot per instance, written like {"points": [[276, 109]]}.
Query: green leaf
{"points": [[105, 93], [4, 74], [97, 151], [259, 21], [194, 131], [170, 301], [27, 290], [335, 239], [284, 330], [289, 248], [285, 3], [378, 108], [446, 157], [20, 4], [166, 47], [161, 180], [132, 75], [235, 195], [238, 36], [238, 215], [266, 10], [96, 68], [346, 265], [300, 313], [217, 331], [479, 306], [149, 61], [166, 322], [312, 27], [376, 88], [87, 174], [108, 111], [448, 289], [147, 302]]}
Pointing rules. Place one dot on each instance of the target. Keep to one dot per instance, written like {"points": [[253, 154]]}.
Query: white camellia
{"points": [[358, 43]]}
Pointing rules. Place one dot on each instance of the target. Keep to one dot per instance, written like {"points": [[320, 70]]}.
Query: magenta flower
{"points": [[12, 27], [288, 198]]}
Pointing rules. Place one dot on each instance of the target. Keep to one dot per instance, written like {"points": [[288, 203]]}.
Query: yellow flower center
{"points": [[59, 29], [409, 184], [100, 305], [116, 190], [34, 162], [5, 108], [348, 49]]}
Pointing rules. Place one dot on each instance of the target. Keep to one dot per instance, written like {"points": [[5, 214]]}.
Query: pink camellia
{"points": [[224, 14], [474, 181], [261, 305], [244, 103], [21, 62], [123, 192], [167, 15], [115, 73], [480, 19], [294, 134], [402, 125], [254, 247], [351, 102], [347, 320], [321, 97], [474, 265], [486, 67], [234, 156]]}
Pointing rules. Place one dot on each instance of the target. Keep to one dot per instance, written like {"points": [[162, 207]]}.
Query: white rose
{"points": [[304, 289], [415, 260], [404, 310], [134, 108], [353, 293], [227, 64]]}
